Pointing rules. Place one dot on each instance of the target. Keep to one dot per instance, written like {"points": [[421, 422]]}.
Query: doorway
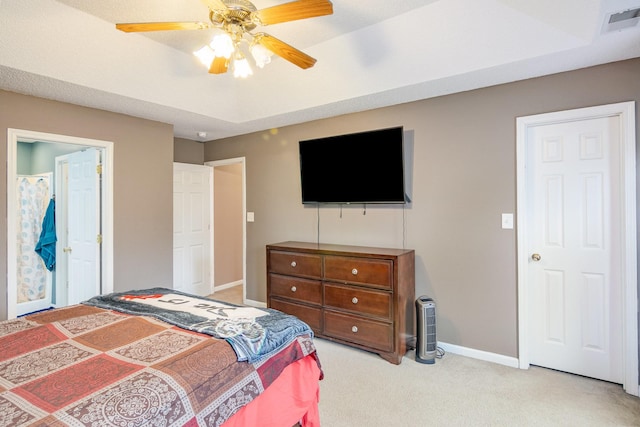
{"points": [[577, 267], [229, 225], [70, 144]]}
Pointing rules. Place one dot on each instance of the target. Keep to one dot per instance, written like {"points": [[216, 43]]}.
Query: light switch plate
{"points": [[250, 217], [507, 220]]}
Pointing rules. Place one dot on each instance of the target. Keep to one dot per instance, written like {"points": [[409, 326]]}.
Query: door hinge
{"points": [[99, 169], [99, 239]]}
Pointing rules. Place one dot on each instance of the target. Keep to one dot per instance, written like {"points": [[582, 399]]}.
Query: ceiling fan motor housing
{"points": [[238, 12]]}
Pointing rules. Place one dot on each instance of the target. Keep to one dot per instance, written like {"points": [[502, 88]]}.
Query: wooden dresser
{"points": [[359, 296]]}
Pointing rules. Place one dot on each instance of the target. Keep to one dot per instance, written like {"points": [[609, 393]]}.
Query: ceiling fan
{"points": [[237, 19]]}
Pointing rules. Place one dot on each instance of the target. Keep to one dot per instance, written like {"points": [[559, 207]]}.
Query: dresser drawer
{"points": [[376, 335], [310, 315], [295, 264], [359, 270], [358, 300], [295, 288]]}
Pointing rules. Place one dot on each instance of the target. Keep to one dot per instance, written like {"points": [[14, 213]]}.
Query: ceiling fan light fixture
{"points": [[205, 54], [261, 55], [222, 45], [241, 67], [235, 20]]}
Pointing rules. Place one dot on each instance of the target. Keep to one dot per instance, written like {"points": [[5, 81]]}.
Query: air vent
{"points": [[621, 20]]}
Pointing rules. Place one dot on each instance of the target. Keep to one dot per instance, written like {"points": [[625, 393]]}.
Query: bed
{"points": [[158, 357]]}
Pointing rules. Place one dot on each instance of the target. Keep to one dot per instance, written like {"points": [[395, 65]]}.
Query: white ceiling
{"points": [[370, 54]]}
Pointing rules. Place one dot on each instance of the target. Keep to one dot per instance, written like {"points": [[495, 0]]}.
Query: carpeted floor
{"points": [[232, 295], [361, 389]]}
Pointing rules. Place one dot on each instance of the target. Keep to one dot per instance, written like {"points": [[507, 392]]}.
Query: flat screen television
{"points": [[364, 167]]}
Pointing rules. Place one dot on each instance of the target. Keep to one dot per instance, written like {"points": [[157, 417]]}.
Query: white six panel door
{"points": [[83, 226], [576, 292], [192, 228]]}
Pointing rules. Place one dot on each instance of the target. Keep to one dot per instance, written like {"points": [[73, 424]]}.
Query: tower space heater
{"points": [[426, 343]]}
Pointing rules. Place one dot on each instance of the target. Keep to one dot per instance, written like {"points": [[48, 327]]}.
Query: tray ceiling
{"points": [[370, 54]]}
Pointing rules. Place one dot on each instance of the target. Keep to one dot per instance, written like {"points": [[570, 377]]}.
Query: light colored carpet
{"points": [[232, 295], [361, 389]]}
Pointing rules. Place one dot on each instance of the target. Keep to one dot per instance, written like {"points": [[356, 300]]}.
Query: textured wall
{"points": [[462, 148], [143, 171]]}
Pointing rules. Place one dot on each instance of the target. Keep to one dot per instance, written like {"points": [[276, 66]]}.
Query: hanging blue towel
{"points": [[46, 246]]}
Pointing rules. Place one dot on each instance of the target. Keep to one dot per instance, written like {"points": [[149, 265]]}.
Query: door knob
{"points": [[536, 257], [67, 249]]}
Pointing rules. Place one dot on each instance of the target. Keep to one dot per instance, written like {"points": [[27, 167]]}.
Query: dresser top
{"points": [[326, 248]]}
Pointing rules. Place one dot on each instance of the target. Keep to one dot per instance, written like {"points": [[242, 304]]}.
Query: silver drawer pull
{"points": [[354, 300], [293, 263], [354, 271], [293, 289], [354, 329]]}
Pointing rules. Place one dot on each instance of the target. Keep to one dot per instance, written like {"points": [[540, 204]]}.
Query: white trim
{"points": [[227, 286], [61, 229], [626, 112], [233, 161], [500, 359], [253, 303], [15, 135]]}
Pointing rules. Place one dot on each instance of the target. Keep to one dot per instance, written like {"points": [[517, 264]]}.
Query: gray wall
{"points": [[23, 158], [464, 177], [43, 158], [188, 151], [143, 178]]}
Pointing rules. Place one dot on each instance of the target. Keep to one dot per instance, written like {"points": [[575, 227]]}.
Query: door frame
{"points": [[213, 164], [628, 245], [13, 137], [61, 228]]}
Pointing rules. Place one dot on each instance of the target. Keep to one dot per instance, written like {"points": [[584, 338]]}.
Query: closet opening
{"points": [[59, 220]]}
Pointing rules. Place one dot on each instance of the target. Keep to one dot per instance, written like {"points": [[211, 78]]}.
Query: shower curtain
{"points": [[34, 195]]}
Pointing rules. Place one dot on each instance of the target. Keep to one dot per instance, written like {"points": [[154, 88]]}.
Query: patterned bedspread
{"points": [[88, 366], [254, 333]]}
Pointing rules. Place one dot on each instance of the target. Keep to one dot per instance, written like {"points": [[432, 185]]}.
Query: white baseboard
{"points": [[227, 286], [479, 354], [253, 303], [250, 302]]}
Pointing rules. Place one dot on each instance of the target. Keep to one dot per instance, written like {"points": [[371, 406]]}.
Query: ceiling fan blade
{"points": [[294, 10], [218, 65], [215, 4], [285, 51], [161, 26]]}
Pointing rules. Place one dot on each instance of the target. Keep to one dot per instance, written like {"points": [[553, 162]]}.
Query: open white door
{"points": [[192, 234], [84, 240]]}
